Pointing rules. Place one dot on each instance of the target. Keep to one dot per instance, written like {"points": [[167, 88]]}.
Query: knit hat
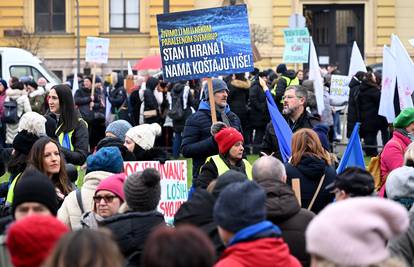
{"points": [[107, 159], [114, 184], [34, 186], [4, 83], [405, 118], [229, 177], [322, 131], [226, 138], [144, 135], [239, 206], [31, 239], [33, 123], [218, 85], [24, 141], [354, 232], [119, 128], [281, 68], [400, 183], [143, 190], [354, 181]]}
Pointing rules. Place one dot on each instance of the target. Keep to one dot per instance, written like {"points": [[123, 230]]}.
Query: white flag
{"points": [[129, 69], [316, 77], [389, 75], [75, 83], [405, 73], [357, 62], [411, 41]]}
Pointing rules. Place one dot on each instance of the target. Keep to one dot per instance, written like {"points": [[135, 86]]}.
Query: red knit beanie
{"points": [[226, 138], [114, 184], [31, 239]]}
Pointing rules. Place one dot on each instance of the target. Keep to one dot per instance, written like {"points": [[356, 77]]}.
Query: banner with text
{"points": [[339, 88], [296, 45], [205, 43], [174, 190], [97, 50]]}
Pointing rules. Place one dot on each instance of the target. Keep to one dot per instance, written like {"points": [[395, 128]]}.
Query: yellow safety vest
{"points": [[289, 82], [10, 193], [222, 166]]}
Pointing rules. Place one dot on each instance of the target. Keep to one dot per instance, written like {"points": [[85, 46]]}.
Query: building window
{"points": [[50, 15], [124, 15]]}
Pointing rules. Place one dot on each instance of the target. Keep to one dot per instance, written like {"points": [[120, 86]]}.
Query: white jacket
{"points": [[23, 106], [70, 212]]}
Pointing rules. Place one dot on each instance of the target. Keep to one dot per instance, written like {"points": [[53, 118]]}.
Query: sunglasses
{"points": [[108, 198]]}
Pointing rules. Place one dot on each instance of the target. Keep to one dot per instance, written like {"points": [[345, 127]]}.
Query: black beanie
{"points": [[34, 186], [143, 190], [230, 176], [24, 141]]}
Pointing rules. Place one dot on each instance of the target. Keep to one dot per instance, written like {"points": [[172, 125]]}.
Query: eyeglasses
{"points": [[107, 198], [289, 97]]}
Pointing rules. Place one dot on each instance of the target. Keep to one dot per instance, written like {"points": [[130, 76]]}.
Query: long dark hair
{"points": [[68, 115], [36, 156]]}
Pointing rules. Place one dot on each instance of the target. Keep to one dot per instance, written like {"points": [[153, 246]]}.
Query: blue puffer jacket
{"points": [[197, 141]]}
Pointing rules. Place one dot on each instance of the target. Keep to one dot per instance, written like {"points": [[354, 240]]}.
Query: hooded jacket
{"points": [[70, 213], [259, 114], [37, 100], [353, 108], [23, 106], [197, 142], [284, 211], [310, 171], [392, 156], [238, 98]]}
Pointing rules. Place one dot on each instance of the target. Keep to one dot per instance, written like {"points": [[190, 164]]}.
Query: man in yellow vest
{"points": [[286, 79]]}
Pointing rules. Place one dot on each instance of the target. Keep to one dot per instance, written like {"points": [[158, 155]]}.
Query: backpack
{"points": [[10, 112], [177, 110], [374, 167]]}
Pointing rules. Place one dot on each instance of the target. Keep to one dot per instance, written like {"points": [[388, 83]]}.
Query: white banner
{"points": [[405, 77], [316, 77], [357, 62], [97, 50], [174, 187], [339, 88], [389, 75]]}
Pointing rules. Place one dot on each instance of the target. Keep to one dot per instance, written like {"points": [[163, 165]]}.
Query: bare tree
{"points": [[26, 40], [260, 34]]}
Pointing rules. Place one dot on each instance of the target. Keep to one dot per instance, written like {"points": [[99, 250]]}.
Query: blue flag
{"points": [[282, 129], [353, 156]]}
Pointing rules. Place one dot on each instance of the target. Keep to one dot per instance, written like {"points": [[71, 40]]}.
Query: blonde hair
{"points": [[306, 142]]}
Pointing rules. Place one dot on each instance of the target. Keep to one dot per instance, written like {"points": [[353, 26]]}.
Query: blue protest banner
{"points": [[296, 45], [205, 43]]}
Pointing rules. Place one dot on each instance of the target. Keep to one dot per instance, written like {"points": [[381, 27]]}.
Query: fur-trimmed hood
{"points": [[241, 84], [39, 91], [16, 94]]}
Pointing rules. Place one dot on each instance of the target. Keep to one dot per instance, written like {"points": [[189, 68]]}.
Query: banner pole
{"points": [[211, 100]]}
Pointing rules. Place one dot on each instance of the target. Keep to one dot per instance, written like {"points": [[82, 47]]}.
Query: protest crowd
{"points": [[274, 211]]}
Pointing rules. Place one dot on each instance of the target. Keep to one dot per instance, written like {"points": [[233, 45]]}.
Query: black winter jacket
{"points": [[83, 99], [259, 115], [270, 142], [281, 87], [310, 171], [198, 211], [178, 91], [197, 140], [117, 95], [353, 108], [284, 211], [238, 98], [131, 230]]}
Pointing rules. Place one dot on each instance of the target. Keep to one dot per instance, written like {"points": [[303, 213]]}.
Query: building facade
{"points": [[49, 27]]}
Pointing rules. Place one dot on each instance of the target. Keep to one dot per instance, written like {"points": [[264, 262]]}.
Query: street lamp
{"points": [[77, 39]]}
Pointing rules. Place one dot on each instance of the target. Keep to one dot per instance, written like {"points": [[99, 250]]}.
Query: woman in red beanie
{"points": [[230, 144]]}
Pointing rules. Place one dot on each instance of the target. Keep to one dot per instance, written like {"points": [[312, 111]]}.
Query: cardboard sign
{"points": [[174, 190], [97, 50], [205, 43], [339, 87], [296, 45]]}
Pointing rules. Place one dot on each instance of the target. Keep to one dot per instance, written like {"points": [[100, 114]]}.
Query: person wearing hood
{"points": [[198, 143], [310, 165], [282, 207], [238, 99], [286, 79], [36, 96], [117, 96], [18, 94], [140, 141], [104, 163], [230, 143]]}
